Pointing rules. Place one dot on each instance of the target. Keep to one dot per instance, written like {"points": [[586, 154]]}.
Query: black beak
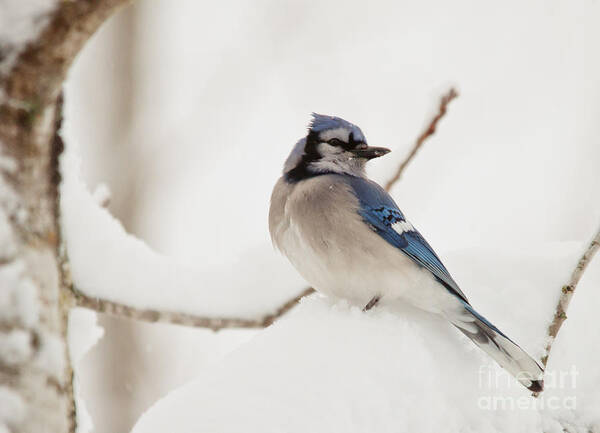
{"points": [[371, 152]]}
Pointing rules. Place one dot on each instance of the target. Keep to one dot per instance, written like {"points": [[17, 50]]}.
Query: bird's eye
{"points": [[335, 142]]}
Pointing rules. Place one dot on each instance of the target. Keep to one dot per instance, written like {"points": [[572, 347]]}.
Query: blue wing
{"points": [[380, 211]]}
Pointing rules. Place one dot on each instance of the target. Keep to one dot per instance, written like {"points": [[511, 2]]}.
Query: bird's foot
{"points": [[374, 301]]}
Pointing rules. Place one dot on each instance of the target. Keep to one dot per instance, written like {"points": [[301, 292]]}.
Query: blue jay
{"points": [[347, 237]]}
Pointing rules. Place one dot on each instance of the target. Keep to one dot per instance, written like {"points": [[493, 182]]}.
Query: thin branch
{"points": [[560, 313], [270, 318], [155, 316], [428, 132]]}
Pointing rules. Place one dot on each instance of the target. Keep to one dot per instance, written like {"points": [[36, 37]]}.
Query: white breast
{"points": [[318, 228]]}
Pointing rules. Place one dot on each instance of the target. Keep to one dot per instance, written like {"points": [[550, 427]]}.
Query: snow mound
{"points": [[329, 367], [108, 263], [332, 368]]}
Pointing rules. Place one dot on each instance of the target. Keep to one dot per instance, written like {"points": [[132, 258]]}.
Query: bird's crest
{"points": [[322, 122]]}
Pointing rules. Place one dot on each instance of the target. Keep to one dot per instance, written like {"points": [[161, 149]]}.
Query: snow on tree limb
{"points": [[108, 264], [567, 291], [156, 316], [111, 271], [38, 42], [36, 77]]}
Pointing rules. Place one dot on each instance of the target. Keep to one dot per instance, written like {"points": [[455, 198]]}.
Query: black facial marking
{"points": [[312, 141], [311, 154], [354, 144], [351, 141]]}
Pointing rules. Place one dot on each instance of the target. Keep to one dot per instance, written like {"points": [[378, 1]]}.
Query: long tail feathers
{"points": [[501, 348]]}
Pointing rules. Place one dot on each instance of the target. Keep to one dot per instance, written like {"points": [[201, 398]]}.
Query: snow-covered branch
{"points": [[185, 319], [567, 291], [38, 41], [117, 273], [108, 271]]}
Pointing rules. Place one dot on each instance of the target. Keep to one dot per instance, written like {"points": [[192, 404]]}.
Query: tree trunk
{"points": [[35, 374]]}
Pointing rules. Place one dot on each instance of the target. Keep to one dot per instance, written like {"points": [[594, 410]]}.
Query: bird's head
{"points": [[333, 145]]}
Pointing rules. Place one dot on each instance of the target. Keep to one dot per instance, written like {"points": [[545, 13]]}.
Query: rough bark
{"points": [[35, 377]]}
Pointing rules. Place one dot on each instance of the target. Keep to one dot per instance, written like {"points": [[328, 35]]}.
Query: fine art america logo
{"points": [[493, 378]]}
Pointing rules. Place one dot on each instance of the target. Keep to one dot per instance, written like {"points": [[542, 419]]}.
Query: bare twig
{"points": [[560, 314], [155, 316], [270, 318], [428, 132]]}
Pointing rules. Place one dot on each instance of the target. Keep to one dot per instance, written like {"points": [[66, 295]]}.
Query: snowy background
{"points": [[187, 113]]}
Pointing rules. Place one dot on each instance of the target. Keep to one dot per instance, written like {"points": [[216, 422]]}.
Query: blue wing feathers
{"points": [[371, 194], [380, 211], [381, 221]]}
